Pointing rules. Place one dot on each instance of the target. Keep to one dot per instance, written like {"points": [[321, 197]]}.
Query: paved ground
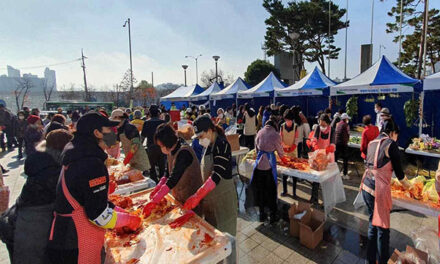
{"points": [[344, 235]]}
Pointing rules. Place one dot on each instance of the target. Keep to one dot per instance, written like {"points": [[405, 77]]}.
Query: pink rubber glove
{"points": [[133, 222], [162, 181], [164, 189], [119, 209], [195, 199]]}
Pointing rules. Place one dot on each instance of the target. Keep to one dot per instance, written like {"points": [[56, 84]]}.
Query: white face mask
{"points": [[376, 111], [21, 117], [204, 142], [322, 128], [220, 116]]}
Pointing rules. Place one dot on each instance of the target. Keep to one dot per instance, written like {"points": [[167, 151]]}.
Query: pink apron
{"points": [[90, 237], [382, 192], [324, 143]]}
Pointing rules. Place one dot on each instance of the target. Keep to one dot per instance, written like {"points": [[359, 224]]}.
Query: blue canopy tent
{"points": [[203, 97], [310, 93], [262, 93], [228, 96], [431, 111], [181, 96], [383, 77]]}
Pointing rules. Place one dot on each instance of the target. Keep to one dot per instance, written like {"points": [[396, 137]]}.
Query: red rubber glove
{"points": [[330, 149], [119, 209], [292, 148], [314, 145], [128, 157], [159, 185], [132, 222], [149, 207], [112, 187], [195, 199]]}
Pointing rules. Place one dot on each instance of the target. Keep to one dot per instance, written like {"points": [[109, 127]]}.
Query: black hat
{"points": [[91, 121], [154, 110], [201, 124]]}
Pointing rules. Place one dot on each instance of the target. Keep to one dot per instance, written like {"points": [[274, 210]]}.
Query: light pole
{"points": [[329, 33], [216, 72], [184, 71], [346, 37], [294, 36], [371, 33], [131, 62], [380, 50], [400, 31], [197, 69]]}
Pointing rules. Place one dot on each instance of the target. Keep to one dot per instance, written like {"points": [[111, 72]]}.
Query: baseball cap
{"points": [[202, 123], [91, 121], [345, 116], [385, 111], [116, 113]]}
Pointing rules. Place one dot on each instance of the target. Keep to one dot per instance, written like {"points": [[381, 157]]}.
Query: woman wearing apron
{"points": [[185, 177], [82, 210], [382, 160], [264, 178], [289, 134], [324, 138], [218, 192]]}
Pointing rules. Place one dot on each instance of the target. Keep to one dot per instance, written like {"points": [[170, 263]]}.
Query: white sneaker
{"points": [[346, 177]]}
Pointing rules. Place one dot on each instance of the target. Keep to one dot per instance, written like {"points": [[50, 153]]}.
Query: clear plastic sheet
{"points": [[427, 240]]}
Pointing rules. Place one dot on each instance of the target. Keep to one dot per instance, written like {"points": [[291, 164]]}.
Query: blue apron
{"points": [[272, 161]]}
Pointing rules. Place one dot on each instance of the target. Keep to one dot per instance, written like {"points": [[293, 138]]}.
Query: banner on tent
{"points": [[376, 89], [252, 95], [299, 92], [197, 105], [222, 96]]}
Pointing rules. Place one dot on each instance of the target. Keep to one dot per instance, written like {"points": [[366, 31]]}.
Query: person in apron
{"points": [[82, 211], [264, 177], [220, 204], [324, 138], [289, 135], [382, 160], [135, 154], [185, 177]]}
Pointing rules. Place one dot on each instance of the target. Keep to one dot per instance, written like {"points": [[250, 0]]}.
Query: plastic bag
{"points": [[230, 130], [427, 240], [4, 195], [319, 160], [358, 201]]}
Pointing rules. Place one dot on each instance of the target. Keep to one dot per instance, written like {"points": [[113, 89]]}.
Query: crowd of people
{"points": [[63, 210]]}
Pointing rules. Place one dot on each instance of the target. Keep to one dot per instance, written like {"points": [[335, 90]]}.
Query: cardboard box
{"points": [[233, 141], [399, 257], [297, 209], [311, 229]]}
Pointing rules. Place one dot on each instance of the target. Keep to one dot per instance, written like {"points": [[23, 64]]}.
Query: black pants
{"points": [[378, 237], [157, 160], [265, 190], [7, 133], [342, 152], [249, 141], [294, 180], [20, 142]]}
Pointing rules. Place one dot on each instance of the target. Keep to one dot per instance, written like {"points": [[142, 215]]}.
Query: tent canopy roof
{"points": [[183, 93], [265, 87], [214, 88], [382, 77], [231, 90], [312, 84], [432, 82]]}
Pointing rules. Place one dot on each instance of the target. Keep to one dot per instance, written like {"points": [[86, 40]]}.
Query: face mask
{"points": [[109, 139], [220, 116], [322, 128], [376, 111], [21, 117], [205, 142]]}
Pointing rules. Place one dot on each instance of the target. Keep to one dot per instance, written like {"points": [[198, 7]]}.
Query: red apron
{"points": [[324, 143], [382, 192], [90, 237]]}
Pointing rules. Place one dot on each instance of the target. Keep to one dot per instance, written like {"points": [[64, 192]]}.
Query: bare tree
{"points": [[208, 78], [21, 91], [48, 90], [124, 86]]}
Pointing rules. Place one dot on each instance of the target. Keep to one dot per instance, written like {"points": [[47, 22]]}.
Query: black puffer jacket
{"points": [[43, 172]]}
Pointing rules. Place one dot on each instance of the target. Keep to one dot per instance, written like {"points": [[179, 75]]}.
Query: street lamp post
{"points": [[197, 70], [216, 72], [380, 50], [131, 62], [184, 71]]}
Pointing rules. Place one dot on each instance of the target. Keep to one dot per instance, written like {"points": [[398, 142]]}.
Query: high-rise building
{"points": [[12, 72], [50, 77]]}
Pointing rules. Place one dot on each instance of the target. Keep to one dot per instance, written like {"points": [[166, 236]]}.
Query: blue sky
{"points": [[44, 32]]}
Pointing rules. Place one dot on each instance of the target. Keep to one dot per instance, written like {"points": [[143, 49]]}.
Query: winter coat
{"points": [[31, 138], [20, 128]]}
